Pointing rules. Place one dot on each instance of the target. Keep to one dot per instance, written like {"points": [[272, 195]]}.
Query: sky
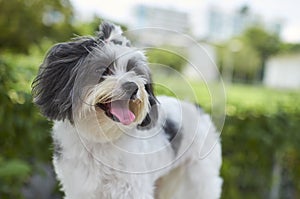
{"points": [[285, 11]]}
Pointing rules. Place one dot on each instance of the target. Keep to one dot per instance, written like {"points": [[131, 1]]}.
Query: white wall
{"points": [[283, 71]]}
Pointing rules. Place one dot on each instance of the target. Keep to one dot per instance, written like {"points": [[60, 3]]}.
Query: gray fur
{"points": [[106, 30], [52, 88], [131, 89], [174, 134], [135, 63], [57, 149]]}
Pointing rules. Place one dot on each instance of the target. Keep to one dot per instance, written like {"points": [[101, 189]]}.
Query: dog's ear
{"points": [[52, 88], [151, 117], [109, 32]]}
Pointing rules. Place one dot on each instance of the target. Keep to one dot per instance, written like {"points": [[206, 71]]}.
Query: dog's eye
{"points": [[107, 71], [130, 67]]}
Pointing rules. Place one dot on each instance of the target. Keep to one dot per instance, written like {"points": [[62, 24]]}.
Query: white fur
{"points": [[139, 164]]}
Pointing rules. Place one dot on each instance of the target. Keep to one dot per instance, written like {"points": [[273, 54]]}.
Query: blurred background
{"points": [[255, 45]]}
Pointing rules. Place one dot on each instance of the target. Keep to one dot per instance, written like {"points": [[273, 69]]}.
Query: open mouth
{"points": [[118, 111]]}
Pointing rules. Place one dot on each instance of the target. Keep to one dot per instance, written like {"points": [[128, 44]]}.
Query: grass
{"points": [[239, 98]]}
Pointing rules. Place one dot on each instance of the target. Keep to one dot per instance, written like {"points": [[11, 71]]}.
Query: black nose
{"points": [[131, 89]]}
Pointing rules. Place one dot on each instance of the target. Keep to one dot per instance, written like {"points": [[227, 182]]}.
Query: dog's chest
{"points": [[134, 155]]}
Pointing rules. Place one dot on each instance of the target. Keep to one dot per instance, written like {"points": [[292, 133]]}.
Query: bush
{"points": [[251, 144], [261, 131], [23, 131]]}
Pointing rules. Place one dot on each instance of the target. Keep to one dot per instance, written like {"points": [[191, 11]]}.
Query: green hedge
{"points": [[261, 125], [24, 134]]}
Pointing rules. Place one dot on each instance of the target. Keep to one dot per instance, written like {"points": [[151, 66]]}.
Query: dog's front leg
{"points": [[125, 186], [77, 179]]}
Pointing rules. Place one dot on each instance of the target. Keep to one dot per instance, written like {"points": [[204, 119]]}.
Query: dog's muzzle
{"points": [[121, 110]]}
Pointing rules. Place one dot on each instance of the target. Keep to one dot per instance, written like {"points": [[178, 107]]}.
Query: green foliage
{"points": [[167, 58], [263, 42], [13, 174], [91, 27], [23, 131], [289, 48], [26, 22], [244, 57], [260, 123], [84, 29], [240, 59], [250, 143], [14, 168]]}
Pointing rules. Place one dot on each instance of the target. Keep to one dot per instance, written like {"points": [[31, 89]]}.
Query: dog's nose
{"points": [[131, 89]]}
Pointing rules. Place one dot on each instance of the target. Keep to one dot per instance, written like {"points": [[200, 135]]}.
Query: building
{"points": [[283, 71], [149, 16], [223, 24], [167, 28]]}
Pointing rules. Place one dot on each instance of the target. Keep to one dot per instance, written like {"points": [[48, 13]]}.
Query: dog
{"points": [[113, 138]]}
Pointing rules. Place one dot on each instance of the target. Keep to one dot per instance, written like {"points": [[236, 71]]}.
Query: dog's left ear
{"points": [[53, 87], [151, 117]]}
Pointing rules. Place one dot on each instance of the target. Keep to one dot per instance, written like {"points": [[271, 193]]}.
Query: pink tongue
{"points": [[121, 110]]}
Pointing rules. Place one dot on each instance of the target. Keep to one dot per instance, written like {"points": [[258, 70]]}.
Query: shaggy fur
{"points": [[113, 138]]}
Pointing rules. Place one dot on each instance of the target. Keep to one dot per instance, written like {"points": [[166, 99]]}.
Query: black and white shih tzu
{"points": [[113, 138]]}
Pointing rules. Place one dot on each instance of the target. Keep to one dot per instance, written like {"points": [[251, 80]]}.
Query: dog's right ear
{"points": [[109, 32], [52, 88]]}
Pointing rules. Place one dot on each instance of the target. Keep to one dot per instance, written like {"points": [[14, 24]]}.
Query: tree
{"points": [[24, 22], [238, 61], [264, 43]]}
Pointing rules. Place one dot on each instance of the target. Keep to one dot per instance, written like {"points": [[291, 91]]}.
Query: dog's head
{"points": [[100, 78]]}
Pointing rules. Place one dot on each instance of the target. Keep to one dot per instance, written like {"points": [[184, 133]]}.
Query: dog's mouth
{"points": [[119, 110]]}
